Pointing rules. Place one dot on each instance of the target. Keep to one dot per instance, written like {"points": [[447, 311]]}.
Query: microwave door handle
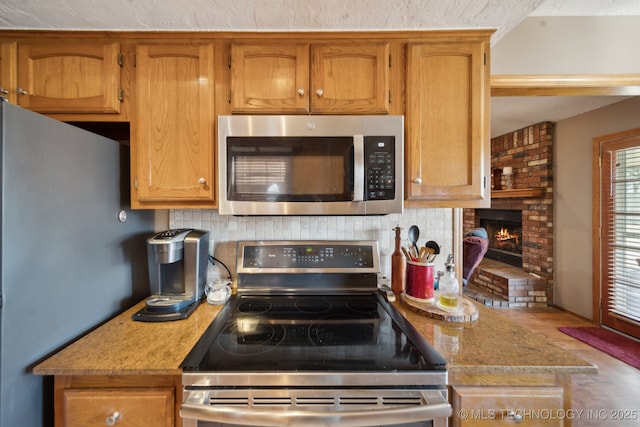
{"points": [[358, 168]]}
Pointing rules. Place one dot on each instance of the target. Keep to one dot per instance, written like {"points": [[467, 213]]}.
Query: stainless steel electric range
{"points": [[309, 340]]}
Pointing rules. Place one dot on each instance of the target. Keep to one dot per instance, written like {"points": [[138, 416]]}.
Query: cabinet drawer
{"points": [[118, 407], [507, 406]]}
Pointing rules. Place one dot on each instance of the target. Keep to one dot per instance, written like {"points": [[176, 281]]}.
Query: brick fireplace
{"points": [[529, 152], [504, 228]]}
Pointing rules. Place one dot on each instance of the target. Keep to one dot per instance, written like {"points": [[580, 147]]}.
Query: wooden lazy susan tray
{"points": [[467, 311]]}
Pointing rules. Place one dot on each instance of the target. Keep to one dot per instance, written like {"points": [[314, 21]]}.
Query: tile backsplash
{"points": [[435, 224]]}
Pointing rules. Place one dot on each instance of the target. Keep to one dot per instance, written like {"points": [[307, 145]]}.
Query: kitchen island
{"points": [[497, 370], [501, 373]]}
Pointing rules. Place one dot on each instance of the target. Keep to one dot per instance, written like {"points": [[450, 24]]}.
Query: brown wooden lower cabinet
{"points": [[154, 400], [120, 401], [508, 406]]}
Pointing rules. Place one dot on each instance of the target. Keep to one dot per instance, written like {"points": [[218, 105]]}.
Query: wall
{"points": [[435, 224], [568, 45], [572, 199]]}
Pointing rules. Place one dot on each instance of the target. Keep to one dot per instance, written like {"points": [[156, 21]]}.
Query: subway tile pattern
{"points": [[435, 224]]}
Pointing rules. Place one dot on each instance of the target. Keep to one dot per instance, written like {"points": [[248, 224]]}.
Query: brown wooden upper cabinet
{"points": [[298, 78], [8, 71], [69, 76], [447, 124], [172, 133]]}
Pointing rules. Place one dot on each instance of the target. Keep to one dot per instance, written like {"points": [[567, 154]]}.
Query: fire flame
{"points": [[504, 234]]}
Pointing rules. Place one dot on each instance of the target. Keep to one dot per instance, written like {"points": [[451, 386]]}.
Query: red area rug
{"points": [[612, 343]]}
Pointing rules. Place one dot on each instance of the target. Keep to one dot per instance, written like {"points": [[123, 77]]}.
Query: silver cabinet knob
{"points": [[319, 92], [112, 419], [300, 91], [417, 180], [21, 91], [3, 90], [516, 417], [202, 181]]}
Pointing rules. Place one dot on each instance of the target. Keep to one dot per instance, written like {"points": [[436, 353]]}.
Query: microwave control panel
{"points": [[379, 153]]}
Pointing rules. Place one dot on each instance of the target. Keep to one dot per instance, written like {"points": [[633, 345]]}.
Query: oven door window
{"points": [[290, 169]]}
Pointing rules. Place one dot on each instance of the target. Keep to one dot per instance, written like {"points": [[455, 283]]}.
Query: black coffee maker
{"points": [[177, 274]]}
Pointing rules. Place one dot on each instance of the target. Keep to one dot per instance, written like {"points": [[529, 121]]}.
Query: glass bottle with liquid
{"points": [[449, 288]]}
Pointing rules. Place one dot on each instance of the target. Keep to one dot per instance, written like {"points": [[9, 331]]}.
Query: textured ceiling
{"points": [[334, 15], [588, 8], [265, 15], [283, 15]]}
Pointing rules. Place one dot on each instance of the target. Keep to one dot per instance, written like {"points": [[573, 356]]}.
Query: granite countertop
{"points": [[490, 345], [124, 346], [494, 344]]}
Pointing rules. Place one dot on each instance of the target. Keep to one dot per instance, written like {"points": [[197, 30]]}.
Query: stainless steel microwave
{"points": [[310, 165]]}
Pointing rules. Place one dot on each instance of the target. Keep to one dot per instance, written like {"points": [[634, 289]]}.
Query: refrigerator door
{"points": [[67, 262]]}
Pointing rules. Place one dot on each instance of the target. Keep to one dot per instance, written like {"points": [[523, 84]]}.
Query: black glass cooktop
{"points": [[359, 332]]}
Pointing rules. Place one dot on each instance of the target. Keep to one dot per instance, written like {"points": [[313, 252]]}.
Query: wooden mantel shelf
{"points": [[517, 193]]}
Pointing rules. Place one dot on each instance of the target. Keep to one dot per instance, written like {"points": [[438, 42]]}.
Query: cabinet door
{"points": [[8, 71], [350, 79], [118, 407], [172, 136], [69, 76], [508, 406], [448, 146], [270, 78]]}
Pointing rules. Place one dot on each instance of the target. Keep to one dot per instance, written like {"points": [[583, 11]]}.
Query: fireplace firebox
{"points": [[504, 229]]}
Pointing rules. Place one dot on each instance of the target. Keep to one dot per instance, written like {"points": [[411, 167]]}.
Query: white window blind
{"points": [[260, 174], [624, 234]]}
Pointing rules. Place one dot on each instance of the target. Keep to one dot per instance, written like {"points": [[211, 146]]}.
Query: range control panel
{"points": [[308, 255]]}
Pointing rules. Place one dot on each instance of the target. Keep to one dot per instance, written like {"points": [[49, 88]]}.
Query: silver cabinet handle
{"points": [[319, 92], [202, 181], [300, 91], [3, 90], [112, 419], [417, 180], [21, 91], [515, 417]]}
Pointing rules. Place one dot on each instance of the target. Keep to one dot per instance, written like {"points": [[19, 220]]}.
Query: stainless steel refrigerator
{"points": [[68, 261]]}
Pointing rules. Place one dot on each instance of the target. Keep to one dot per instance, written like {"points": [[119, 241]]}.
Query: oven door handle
{"points": [[196, 408]]}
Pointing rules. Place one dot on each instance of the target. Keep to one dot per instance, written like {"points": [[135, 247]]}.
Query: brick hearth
{"points": [[529, 152], [498, 284]]}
